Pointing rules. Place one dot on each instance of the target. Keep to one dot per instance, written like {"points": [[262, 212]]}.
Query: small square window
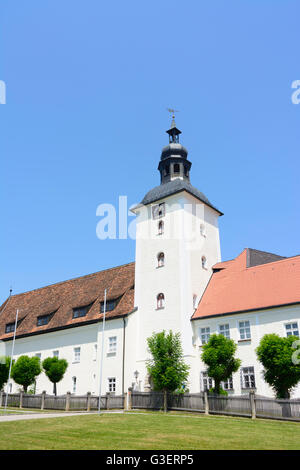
{"points": [[292, 329]]}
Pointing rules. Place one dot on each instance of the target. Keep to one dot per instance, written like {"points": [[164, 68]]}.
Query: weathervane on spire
{"points": [[173, 131], [173, 111]]}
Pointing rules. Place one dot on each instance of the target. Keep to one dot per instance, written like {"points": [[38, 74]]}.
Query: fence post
{"points": [[206, 403], [21, 399], [165, 401], [43, 400], [88, 404], [68, 401], [129, 407], [107, 400], [252, 404], [125, 401]]}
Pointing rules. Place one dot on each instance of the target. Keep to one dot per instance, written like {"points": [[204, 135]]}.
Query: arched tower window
{"points": [[203, 262], [160, 301], [160, 259], [202, 229], [176, 168], [160, 227]]}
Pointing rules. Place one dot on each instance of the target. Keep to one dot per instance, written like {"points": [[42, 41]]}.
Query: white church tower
{"points": [[177, 243]]}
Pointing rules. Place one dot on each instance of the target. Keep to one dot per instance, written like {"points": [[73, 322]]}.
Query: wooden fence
{"points": [[245, 405], [66, 402]]}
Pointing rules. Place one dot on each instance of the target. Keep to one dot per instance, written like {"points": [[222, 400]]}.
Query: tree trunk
{"points": [[54, 388], [165, 401]]}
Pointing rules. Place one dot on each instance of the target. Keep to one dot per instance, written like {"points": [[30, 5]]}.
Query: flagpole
{"points": [[11, 359], [102, 352]]}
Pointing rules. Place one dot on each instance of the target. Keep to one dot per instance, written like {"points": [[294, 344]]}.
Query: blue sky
{"points": [[88, 84]]}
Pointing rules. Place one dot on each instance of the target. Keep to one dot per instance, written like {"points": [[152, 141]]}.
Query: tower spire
{"points": [[173, 131]]}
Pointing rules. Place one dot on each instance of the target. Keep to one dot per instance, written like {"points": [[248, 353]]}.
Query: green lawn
{"points": [[154, 431]]}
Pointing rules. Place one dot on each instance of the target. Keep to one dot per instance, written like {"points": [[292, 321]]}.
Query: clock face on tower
{"points": [[158, 210]]}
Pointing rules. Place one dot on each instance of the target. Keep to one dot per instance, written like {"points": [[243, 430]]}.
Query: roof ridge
{"points": [[69, 280]]}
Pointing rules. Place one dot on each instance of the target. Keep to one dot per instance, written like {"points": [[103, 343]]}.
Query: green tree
{"points": [[167, 368], [25, 370], [4, 370], [280, 371], [218, 355], [55, 369]]}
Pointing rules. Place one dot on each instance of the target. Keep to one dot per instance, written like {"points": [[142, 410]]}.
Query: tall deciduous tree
{"points": [[218, 355], [25, 370], [167, 368], [55, 369], [4, 370], [280, 371]]}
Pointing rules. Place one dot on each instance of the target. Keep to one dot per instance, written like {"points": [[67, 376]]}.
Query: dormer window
{"points": [[44, 319], [110, 305], [160, 228], [160, 301], [10, 327], [80, 311], [160, 260]]}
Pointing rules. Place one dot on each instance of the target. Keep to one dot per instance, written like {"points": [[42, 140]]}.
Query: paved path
{"points": [[34, 415]]}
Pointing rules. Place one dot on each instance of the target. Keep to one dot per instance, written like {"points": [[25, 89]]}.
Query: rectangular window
{"points": [[248, 377], [44, 319], [76, 354], [292, 329], [224, 330], [112, 384], [80, 311], [244, 327], [228, 384], [39, 355], [10, 327], [204, 335], [95, 351], [110, 305], [74, 380], [55, 353], [206, 382], [112, 345]]}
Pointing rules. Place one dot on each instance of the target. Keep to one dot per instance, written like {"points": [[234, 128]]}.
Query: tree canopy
{"points": [[167, 368], [25, 370], [280, 371], [4, 370], [218, 355], [55, 369]]}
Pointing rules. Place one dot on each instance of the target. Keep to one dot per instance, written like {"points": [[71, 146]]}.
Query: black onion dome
{"points": [[174, 150]]}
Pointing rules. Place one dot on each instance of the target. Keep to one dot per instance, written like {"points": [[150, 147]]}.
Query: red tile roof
{"points": [[234, 287], [62, 297]]}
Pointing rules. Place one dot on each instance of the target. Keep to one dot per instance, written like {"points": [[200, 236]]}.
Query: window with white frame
{"points": [[228, 384], [202, 230], [158, 210], [225, 330], [206, 382], [112, 384], [204, 334], [74, 383], [55, 353], [292, 329], [244, 328], [112, 345], [160, 228], [248, 377], [203, 262], [77, 354], [160, 260]]}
